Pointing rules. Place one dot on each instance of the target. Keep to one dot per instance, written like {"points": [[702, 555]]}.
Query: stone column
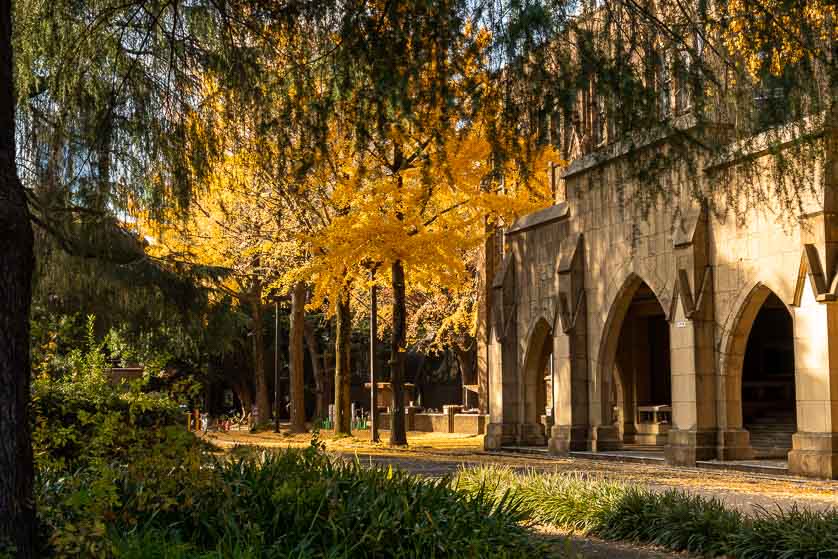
{"points": [[692, 346], [570, 353], [504, 401], [693, 433], [815, 445], [570, 392]]}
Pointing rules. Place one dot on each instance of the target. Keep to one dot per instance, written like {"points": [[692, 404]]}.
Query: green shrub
{"points": [[80, 418], [672, 519], [782, 534], [294, 503]]}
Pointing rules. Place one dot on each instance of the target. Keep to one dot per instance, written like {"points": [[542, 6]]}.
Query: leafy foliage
{"points": [[81, 420], [295, 503], [672, 519]]}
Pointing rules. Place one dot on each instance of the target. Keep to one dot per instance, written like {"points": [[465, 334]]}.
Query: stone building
{"points": [[680, 329], [709, 334]]}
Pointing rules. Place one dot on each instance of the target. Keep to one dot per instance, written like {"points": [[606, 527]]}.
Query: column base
{"points": [[734, 444], [629, 433], [814, 455], [604, 437], [685, 446], [567, 438], [531, 434], [498, 435], [511, 434]]}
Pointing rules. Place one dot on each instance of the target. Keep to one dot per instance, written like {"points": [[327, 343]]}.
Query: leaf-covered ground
{"points": [[437, 454]]}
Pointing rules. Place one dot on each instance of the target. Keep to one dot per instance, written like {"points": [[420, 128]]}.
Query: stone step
{"points": [[773, 419], [770, 429]]}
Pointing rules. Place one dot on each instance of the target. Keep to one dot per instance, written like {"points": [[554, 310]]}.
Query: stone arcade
{"points": [[712, 337]]}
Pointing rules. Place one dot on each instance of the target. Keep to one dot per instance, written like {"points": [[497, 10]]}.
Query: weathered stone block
{"points": [[686, 446], [814, 455]]}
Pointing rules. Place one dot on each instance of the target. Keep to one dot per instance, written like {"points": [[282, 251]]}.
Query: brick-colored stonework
{"points": [[577, 276]]}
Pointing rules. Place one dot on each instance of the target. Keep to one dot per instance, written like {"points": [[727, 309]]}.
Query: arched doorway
{"points": [[642, 373], [537, 414], [768, 396]]}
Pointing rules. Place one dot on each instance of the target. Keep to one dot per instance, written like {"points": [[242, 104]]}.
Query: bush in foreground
{"points": [[672, 519], [294, 503]]}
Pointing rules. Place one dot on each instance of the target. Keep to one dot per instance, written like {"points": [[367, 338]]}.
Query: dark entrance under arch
{"points": [[537, 416], [768, 397], [643, 387]]}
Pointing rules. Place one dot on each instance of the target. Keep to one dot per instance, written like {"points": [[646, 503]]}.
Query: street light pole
{"points": [[276, 365], [373, 361]]}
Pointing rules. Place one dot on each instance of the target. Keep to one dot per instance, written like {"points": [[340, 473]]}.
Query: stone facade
{"points": [[603, 298]]}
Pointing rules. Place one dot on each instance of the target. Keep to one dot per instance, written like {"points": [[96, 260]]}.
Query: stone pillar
{"points": [[815, 445], [450, 411], [503, 395], [570, 353], [502, 361], [693, 433]]}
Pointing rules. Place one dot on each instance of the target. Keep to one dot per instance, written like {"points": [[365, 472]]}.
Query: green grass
{"points": [[672, 519]]}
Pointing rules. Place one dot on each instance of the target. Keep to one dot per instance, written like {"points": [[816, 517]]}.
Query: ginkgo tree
{"points": [[416, 221], [420, 171]]}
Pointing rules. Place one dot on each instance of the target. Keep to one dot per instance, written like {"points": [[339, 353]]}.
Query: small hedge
{"points": [[672, 519]]}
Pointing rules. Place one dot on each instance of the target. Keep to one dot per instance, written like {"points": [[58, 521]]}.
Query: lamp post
{"points": [[373, 360], [276, 365]]}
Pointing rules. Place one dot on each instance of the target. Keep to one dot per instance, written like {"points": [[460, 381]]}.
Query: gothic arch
{"points": [[610, 337], [732, 346], [531, 381]]}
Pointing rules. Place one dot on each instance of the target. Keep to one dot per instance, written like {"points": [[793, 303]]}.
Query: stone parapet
{"points": [[470, 423]]}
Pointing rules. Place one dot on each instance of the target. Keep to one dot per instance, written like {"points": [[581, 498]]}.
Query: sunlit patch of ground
{"points": [[441, 453]]}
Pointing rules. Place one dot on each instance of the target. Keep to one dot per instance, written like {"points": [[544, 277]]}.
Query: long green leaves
{"points": [[672, 519]]}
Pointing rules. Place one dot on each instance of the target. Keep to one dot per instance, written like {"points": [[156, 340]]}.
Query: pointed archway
{"points": [[643, 363], [635, 371], [768, 392], [759, 377], [536, 383]]}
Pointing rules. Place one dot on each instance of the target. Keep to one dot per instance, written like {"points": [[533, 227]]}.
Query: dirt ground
{"points": [[438, 454]]}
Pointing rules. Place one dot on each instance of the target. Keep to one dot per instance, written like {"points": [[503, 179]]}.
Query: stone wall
{"points": [[448, 422]]}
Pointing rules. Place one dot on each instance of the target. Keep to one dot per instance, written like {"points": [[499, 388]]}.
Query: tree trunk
{"points": [[398, 436], [260, 380], [343, 402], [17, 261], [296, 351], [245, 394], [320, 391]]}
